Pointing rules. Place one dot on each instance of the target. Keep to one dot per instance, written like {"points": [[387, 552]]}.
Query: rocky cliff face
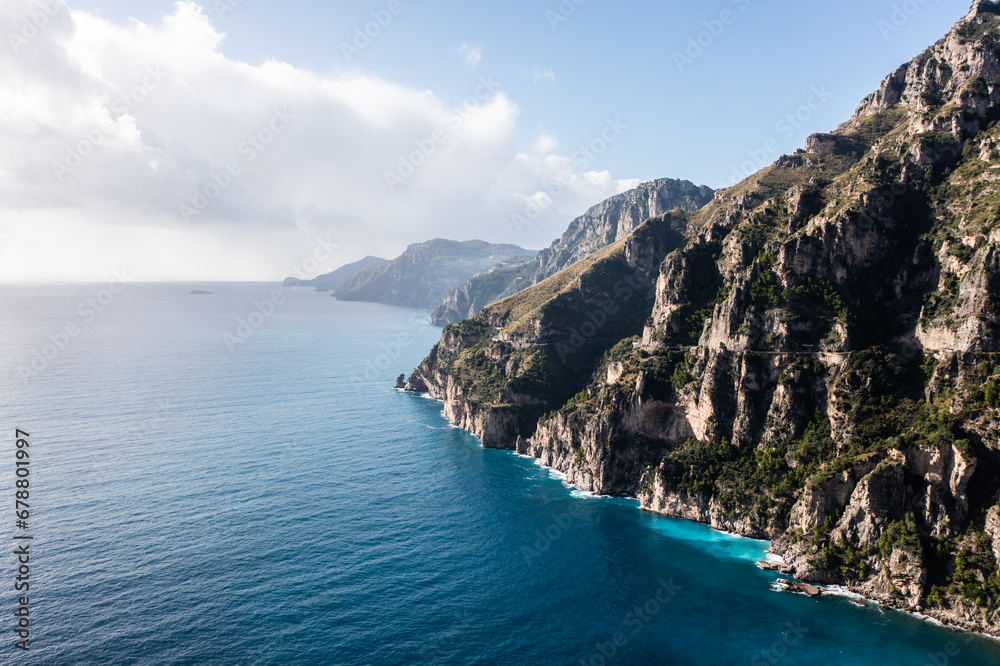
{"points": [[599, 227], [619, 216], [528, 354], [819, 361]]}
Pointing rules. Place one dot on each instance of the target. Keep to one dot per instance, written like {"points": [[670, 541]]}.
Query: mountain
{"points": [[422, 276], [811, 358], [599, 227], [331, 281]]}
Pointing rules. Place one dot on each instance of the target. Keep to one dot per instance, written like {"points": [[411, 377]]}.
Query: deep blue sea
{"points": [[275, 501]]}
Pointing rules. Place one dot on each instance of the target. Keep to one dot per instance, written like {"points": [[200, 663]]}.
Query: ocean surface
{"points": [[204, 491]]}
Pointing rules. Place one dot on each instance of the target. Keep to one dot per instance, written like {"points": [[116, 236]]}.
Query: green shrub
{"points": [[900, 535], [681, 377], [765, 292], [818, 293], [992, 393], [962, 251]]}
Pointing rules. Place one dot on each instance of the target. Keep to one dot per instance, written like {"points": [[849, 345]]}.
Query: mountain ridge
{"points": [[425, 272], [600, 226], [331, 281], [820, 363]]}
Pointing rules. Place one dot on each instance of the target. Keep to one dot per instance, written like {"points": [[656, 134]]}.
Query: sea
{"points": [[230, 478]]}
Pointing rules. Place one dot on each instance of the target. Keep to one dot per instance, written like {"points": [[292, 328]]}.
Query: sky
{"points": [[256, 139]]}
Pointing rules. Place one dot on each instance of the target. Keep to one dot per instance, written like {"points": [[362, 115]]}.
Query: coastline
{"points": [[934, 617]]}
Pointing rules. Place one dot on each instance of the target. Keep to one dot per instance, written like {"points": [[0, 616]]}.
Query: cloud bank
{"points": [[144, 147]]}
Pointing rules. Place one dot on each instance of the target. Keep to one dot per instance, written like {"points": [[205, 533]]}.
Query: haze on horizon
{"points": [[232, 139]]}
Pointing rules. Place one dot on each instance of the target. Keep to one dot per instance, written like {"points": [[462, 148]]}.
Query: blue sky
{"points": [[610, 59], [398, 141]]}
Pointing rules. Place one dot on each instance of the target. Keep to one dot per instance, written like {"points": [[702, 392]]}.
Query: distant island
{"points": [[199, 292]]}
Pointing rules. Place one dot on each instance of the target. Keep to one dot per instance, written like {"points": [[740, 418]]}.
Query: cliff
{"points": [[818, 362], [529, 353], [425, 272], [599, 227]]}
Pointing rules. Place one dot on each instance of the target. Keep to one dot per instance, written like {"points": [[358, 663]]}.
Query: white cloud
{"points": [[471, 55], [107, 130], [544, 143]]}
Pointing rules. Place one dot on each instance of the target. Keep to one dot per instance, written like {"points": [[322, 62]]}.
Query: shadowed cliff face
{"points": [[818, 362], [529, 353], [599, 227]]}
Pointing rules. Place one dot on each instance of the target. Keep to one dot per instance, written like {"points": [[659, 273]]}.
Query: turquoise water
{"points": [[281, 504]]}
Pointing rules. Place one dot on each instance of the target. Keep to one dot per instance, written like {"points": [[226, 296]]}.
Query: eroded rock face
{"points": [[618, 217], [993, 529], [818, 502], [904, 577], [815, 357], [679, 503], [946, 475], [822, 144], [945, 69], [878, 500]]}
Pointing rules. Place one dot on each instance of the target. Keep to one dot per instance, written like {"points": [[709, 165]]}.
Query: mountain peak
{"points": [[961, 71], [982, 7]]}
